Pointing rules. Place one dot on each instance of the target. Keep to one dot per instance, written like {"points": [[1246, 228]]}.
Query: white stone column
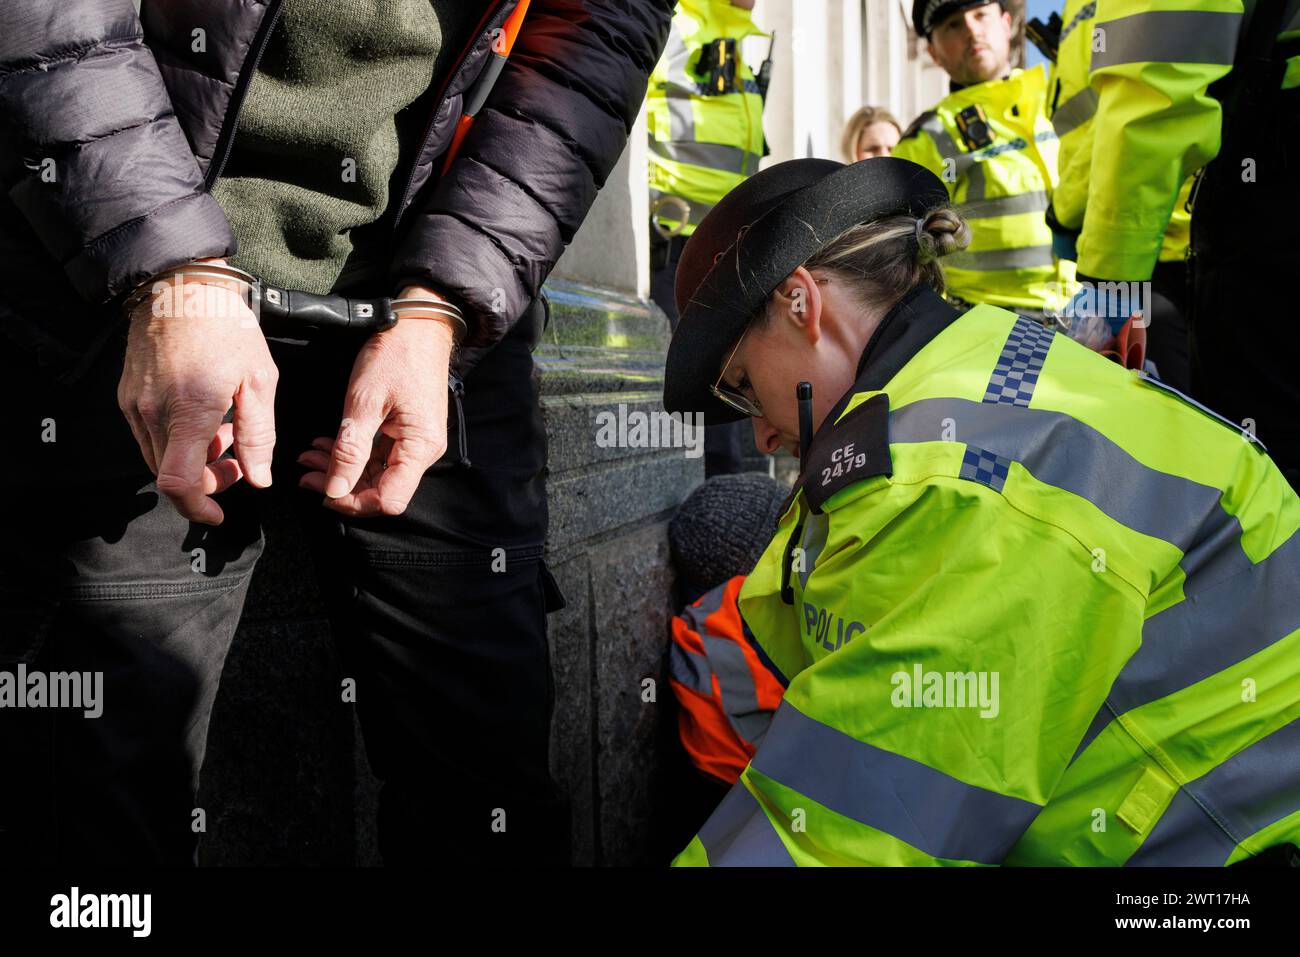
{"points": [[612, 250], [832, 57]]}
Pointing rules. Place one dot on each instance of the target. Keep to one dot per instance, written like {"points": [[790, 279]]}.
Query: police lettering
{"points": [[828, 629], [843, 461]]}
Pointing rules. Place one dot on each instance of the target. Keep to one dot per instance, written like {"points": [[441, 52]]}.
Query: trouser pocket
{"points": [[552, 596]]}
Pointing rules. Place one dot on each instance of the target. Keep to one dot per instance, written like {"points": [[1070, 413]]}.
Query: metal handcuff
{"points": [[292, 313]]}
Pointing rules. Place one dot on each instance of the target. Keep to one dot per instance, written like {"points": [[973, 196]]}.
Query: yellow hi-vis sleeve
{"points": [[1151, 64]]}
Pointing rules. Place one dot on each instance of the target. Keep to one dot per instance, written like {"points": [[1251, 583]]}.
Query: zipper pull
{"points": [[457, 387]]}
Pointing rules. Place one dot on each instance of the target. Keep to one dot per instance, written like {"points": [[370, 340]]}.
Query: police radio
{"points": [[803, 399], [718, 63], [765, 71], [973, 126], [1045, 36]]}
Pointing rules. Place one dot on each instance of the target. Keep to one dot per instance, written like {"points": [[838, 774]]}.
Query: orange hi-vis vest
{"points": [[727, 693]]}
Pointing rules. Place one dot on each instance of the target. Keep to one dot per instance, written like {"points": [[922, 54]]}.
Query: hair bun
{"points": [[942, 232]]}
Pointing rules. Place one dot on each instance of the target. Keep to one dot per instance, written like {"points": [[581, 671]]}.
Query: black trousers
{"points": [[1245, 342], [1246, 350], [439, 615], [1167, 334]]}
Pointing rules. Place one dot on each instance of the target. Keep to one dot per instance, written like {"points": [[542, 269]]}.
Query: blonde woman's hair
{"points": [[858, 122], [881, 260]]}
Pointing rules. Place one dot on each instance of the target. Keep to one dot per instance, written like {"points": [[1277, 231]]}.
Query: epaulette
{"points": [[918, 123], [854, 448]]}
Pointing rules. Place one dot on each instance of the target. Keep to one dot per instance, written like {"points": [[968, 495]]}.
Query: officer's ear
{"points": [[799, 302]]}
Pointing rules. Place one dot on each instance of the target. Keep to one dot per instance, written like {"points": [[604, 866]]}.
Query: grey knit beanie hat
{"points": [[722, 529]]}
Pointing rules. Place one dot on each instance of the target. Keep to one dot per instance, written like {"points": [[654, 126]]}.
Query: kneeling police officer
{"points": [[1029, 607]]}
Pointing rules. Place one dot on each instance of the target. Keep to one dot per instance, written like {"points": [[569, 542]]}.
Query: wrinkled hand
{"points": [[394, 421], [188, 359]]}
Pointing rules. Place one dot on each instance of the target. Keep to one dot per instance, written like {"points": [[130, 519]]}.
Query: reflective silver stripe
{"points": [[676, 56], [1213, 628], [692, 670], [1075, 111], [723, 657], [696, 614], [1210, 816], [729, 159], [1034, 202], [1063, 452], [736, 682], [816, 527], [989, 260], [1086, 12], [1183, 837], [1246, 608], [1167, 36], [698, 210], [738, 834], [946, 145], [681, 118], [1232, 608], [917, 804], [975, 185]]}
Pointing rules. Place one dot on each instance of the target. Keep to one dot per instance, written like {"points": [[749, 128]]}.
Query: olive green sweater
{"points": [[317, 142]]}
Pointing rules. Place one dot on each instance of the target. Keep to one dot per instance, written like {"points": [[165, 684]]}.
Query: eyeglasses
{"points": [[737, 400]]}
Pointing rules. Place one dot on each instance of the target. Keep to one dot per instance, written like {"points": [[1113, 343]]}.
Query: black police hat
{"points": [[926, 13], [754, 237]]}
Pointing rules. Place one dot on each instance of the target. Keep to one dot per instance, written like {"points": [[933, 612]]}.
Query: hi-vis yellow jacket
{"points": [[1002, 189], [1129, 103], [1030, 608], [702, 144]]}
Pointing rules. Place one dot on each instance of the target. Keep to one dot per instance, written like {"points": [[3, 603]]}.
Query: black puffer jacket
{"points": [[113, 131]]}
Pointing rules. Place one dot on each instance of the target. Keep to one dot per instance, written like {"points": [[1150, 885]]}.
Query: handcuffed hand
{"points": [[188, 359], [394, 420]]}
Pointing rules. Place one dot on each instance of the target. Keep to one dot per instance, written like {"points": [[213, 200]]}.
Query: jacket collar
{"points": [[909, 325], [954, 86], [912, 322]]}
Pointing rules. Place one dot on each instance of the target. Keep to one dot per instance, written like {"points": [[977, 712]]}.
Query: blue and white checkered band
{"points": [[1016, 372], [987, 468]]}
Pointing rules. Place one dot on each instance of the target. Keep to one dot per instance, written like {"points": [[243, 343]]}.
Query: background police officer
{"points": [[990, 142], [704, 111], [1213, 84]]}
